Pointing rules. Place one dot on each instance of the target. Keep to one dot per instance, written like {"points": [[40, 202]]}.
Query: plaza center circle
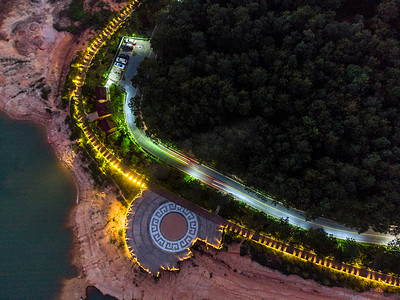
{"points": [[173, 226]]}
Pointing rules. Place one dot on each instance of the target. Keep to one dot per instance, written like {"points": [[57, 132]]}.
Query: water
{"points": [[36, 196], [94, 294]]}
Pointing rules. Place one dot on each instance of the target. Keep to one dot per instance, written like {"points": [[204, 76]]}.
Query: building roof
{"points": [[101, 93], [102, 109], [107, 124]]}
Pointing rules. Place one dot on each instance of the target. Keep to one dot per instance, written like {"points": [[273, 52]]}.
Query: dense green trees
{"points": [[298, 98], [76, 11]]}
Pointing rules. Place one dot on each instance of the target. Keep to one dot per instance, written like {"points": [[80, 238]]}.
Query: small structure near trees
{"points": [[103, 112]]}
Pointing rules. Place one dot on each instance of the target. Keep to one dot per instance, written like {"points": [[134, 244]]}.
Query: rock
{"points": [[27, 66]]}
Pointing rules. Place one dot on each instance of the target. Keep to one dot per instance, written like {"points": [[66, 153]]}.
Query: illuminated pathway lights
{"points": [[79, 81]]}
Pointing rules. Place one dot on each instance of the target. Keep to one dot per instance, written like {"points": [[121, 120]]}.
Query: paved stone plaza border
{"points": [[150, 255]]}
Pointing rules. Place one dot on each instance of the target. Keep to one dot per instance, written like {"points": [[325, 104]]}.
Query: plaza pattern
{"points": [[161, 240]]}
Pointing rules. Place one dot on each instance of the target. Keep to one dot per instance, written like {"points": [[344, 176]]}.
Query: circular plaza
{"points": [[159, 232]]}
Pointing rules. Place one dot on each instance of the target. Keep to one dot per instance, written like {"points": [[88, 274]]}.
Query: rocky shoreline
{"points": [[35, 58]]}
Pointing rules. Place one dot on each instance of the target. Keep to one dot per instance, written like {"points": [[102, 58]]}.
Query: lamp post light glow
{"points": [[100, 152]]}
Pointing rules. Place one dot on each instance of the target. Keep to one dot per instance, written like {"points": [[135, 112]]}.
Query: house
{"points": [[104, 116], [101, 94], [108, 125], [102, 110]]}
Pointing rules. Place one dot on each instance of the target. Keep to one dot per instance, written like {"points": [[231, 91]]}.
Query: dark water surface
{"points": [[36, 196], [93, 293]]}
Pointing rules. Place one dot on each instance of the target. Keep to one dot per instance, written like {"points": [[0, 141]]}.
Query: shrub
{"points": [[76, 11]]}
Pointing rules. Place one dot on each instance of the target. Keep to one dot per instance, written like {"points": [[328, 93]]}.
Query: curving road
{"points": [[226, 184]]}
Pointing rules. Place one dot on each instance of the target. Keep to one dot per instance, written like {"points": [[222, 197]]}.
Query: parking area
{"points": [[131, 51]]}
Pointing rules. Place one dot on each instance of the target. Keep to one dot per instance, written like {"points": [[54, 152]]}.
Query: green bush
{"points": [[76, 11], [45, 91], [72, 28]]}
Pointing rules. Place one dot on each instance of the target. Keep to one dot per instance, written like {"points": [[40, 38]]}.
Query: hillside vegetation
{"points": [[298, 98]]}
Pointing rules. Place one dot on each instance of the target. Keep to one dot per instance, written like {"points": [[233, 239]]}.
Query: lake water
{"points": [[36, 196], [94, 294]]}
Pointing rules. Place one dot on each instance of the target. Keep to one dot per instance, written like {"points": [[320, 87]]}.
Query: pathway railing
{"points": [[79, 81]]}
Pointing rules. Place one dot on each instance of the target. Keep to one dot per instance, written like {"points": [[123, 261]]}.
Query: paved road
{"points": [[228, 185]]}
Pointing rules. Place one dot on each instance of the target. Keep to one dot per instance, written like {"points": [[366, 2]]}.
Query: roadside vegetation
{"points": [[141, 21], [288, 264], [298, 99], [385, 259]]}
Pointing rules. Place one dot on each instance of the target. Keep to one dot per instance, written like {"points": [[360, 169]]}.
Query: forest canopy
{"points": [[299, 99]]}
